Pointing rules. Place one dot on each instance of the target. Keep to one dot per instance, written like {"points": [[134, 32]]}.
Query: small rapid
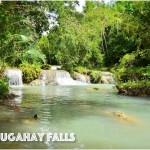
{"points": [[58, 77]]}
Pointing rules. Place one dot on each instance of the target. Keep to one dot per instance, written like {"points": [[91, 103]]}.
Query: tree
{"points": [[21, 27], [72, 42]]}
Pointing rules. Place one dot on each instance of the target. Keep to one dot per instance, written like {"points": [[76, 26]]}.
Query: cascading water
{"points": [[15, 76], [58, 77]]}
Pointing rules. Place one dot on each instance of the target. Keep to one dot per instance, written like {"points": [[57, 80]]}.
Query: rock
{"points": [[107, 78], [53, 83], [104, 80], [36, 82], [35, 117], [81, 77], [92, 89], [124, 117], [120, 115]]}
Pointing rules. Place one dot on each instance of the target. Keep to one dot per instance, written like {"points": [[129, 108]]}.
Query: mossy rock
{"points": [[92, 89]]}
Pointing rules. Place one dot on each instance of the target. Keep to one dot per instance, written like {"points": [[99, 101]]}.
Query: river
{"points": [[75, 109]]}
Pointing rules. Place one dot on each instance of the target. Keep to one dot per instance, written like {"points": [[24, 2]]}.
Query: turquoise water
{"points": [[88, 114]]}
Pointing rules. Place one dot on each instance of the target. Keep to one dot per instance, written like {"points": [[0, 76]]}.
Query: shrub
{"points": [[81, 70], [95, 76], [2, 68], [133, 88], [127, 59], [30, 72], [4, 87], [133, 74]]}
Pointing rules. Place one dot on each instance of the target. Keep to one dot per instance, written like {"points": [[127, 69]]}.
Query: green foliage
{"points": [[2, 68], [95, 76], [81, 70], [4, 88], [139, 11], [21, 26], [72, 43], [139, 58], [127, 60], [33, 56], [133, 73], [45, 66], [30, 72], [119, 44], [134, 37], [133, 88]]}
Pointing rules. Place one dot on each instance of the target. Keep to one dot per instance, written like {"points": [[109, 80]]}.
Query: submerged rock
{"points": [[92, 89], [124, 117], [120, 115]]}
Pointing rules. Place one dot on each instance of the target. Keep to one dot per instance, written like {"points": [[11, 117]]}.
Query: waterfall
{"points": [[58, 77], [15, 76]]}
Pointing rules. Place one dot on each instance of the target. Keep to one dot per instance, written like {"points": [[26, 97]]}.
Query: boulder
{"points": [[36, 82], [81, 77], [107, 78], [104, 80]]}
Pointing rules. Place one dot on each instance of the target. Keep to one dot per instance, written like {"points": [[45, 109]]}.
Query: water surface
{"points": [[66, 109]]}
